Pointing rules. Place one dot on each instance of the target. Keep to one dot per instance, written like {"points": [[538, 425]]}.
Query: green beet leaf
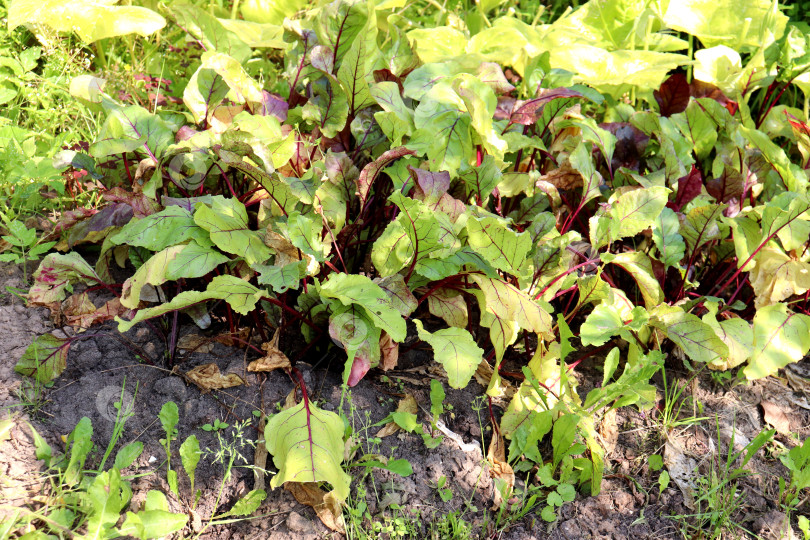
{"points": [[508, 302], [696, 338], [240, 295], [504, 248], [226, 221], [668, 241], [361, 291], [172, 225], [45, 359]]}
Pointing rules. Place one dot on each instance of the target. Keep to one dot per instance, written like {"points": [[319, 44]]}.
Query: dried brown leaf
{"points": [[80, 312], [289, 401], [406, 404], [389, 350], [208, 377], [682, 471], [285, 252], [326, 505], [273, 357], [609, 431], [231, 339], [195, 343], [775, 416], [500, 471]]}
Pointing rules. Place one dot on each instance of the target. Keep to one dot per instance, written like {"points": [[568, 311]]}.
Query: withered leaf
{"points": [[195, 343], [389, 352], [775, 416], [273, 357], [406, 404], [326, 505], [500, 471], [208, 377]]}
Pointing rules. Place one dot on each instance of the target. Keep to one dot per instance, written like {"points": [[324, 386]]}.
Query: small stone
{"points": [[150, 349], [570, 529], [142, 334], [299, 524]]}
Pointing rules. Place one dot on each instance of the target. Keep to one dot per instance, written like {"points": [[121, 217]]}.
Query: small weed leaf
{"points": [[307, 446], [127, 455], [247, 504]]}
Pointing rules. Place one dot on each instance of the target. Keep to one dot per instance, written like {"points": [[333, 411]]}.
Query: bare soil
{"points": [[630, 504]]}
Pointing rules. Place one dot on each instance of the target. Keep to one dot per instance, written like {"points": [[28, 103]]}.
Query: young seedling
{"points": [[190, 457], [169, 417]]}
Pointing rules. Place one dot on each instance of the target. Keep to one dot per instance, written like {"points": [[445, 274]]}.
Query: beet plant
{"points": [[400, 184]]}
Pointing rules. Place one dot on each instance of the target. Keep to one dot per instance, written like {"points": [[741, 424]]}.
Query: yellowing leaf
{"points": [[240, 295], [307, 446], [456, 350], [781, 337], [510, 303], [91, 20], [326, 506], [638, 265], [696, 338], [450, 306], [777, 277], [500, 470]]}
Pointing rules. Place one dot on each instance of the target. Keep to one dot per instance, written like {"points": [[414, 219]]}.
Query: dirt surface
{"points": [[631, 505]]}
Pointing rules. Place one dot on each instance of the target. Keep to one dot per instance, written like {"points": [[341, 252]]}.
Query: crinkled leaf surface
{"points": [[696, 338], [55, 273], [777, 277], [450, 306], [226, 220], [510, 303], [504, 248], [172, 225], [360, 290]]}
